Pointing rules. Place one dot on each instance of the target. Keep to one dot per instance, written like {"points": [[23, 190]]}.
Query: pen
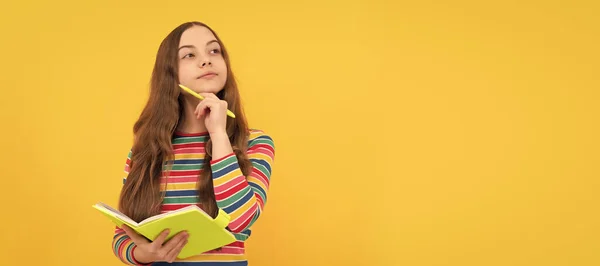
{"points": [[229, 113]]}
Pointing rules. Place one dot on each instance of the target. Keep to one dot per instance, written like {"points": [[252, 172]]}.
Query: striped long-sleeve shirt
{"points": [[242, 197]]}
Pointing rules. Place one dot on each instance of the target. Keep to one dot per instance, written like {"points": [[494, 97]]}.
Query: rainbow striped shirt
{"points": [[242, 197]]}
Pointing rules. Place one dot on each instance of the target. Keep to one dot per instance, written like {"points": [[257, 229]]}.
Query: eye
{"points": [[215, 51], [189, 54]]}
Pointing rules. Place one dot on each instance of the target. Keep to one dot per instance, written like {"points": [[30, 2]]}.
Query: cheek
{"points": [[184, 72], [222, 68]]}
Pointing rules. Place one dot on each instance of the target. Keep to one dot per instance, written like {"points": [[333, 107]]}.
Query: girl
{"points": [[187, 151]]}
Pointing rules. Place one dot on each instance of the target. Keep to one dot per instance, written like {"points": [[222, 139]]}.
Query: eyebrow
{"points": [[194, 47]]}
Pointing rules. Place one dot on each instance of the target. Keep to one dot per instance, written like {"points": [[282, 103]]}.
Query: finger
{"points": [[205, 107], [212, 96], [171, 244], [172, 254], [161, 238], [218, 102], [201, 109], [135, 237]]}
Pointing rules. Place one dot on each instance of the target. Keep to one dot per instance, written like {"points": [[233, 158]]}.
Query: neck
{"points": [[190, 124]]}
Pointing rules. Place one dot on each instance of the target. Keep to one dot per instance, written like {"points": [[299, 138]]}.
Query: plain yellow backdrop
{"points": [[407, 133]]}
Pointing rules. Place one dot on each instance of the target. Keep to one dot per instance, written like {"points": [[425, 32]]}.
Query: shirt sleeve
{"points": [[122, 244], [244, 197]]}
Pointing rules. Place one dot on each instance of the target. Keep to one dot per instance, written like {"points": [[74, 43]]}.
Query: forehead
{"points": [[196, 35]]}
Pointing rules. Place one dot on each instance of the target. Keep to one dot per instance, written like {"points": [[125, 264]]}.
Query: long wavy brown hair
{"points": [[152, 151]]}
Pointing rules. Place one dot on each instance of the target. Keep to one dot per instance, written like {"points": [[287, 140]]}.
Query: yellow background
{"points": [[407, 133]]}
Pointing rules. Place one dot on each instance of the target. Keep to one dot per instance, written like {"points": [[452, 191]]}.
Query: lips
{"points": [[207, 75]]}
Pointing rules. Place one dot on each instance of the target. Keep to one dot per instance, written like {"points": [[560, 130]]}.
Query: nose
{"points": [[205, 62]]}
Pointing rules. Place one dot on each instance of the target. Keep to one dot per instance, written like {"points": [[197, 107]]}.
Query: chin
{"points": [[209, 86], [211, 89]]}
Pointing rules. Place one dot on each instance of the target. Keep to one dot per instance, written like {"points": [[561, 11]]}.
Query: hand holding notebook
{"points": [[159, 249], [189, 225]]}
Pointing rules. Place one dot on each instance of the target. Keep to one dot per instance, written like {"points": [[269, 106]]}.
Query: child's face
{"points": [[201, 64]]}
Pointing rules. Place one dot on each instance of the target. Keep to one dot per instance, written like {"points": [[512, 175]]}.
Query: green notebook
{"points": [[205, 233]]}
